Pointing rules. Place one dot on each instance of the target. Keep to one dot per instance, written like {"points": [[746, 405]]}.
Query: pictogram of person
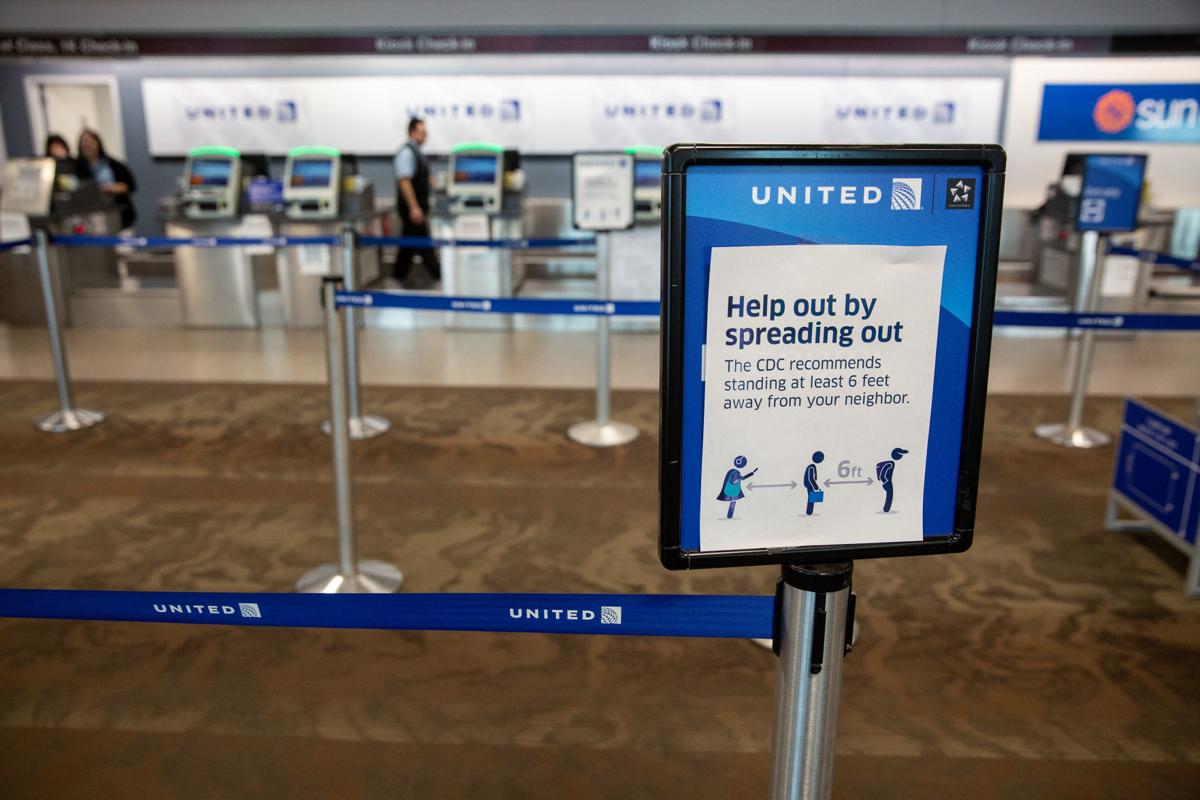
{"points": [[884, 471], [731, 489], [813, 484]]}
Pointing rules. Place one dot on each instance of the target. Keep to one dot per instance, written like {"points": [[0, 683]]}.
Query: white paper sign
{"points": [[602, 191], [848, 413]]}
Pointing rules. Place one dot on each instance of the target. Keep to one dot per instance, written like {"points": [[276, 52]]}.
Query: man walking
{"points": [[412, 202]]}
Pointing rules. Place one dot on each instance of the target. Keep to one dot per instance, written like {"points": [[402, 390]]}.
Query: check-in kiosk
{"points": [[634, 253], [212, 183], [483, 202], [323, 194], [60, 198], [647, 183], [312, 183], [217, 287]]}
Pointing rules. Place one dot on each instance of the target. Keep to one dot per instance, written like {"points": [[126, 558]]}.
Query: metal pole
{"points": [[361, 426], [1073, 433], [814, 622], [602, 431], [603, 330], [67, 418], [349, 575]]}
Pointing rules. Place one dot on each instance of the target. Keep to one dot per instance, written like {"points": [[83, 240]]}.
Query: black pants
{"points": [[887, 502], [404, 256]]}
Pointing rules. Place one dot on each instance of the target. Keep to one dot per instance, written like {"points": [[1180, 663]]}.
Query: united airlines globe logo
{"points": [[906, 194], [1114, 111]]}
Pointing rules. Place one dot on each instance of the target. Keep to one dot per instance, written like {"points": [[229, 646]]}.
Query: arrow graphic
{"points": [[791, 485], [829, 483]]}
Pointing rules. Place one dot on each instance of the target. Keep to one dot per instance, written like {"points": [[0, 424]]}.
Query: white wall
{"points": [[1173, 170], [248, 16]]}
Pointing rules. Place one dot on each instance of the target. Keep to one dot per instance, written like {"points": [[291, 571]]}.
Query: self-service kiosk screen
{"points": [[311, 172], [475, 169], [210, 172], [647, 174]]}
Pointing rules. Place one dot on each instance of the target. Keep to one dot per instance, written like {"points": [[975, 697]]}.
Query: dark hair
{"points": [[413, 122], [99, 142], [54, 139]]}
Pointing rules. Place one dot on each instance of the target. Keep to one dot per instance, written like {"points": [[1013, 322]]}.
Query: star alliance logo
{"points": [[960, 193]]}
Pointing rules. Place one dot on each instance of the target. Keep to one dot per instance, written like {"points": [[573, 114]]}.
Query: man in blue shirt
{"points": [[412, 202]]}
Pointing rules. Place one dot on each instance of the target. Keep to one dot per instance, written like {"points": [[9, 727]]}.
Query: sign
{"points": [[602, 191], [1158, 469], [827, 322], [556, 114], [1166, 113], [1111, 193], [398, 43]]}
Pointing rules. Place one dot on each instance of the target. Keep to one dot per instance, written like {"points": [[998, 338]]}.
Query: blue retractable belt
{"points": [[1110, 321], [718, 616], [1156, 258], [13, 244], [419, 242], [500, 305], [145, 242]]}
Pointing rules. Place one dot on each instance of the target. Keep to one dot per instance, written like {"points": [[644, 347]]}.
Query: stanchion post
{"points": [[68, 417], [362, 426], [814, 619], [1073, 433], [602, 431], [349, 575]]}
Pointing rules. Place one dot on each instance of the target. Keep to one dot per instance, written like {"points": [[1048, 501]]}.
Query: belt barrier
{"points": [[1155, 258], [503, 244], [145, 242], [13, 244], [500, 305], [1110, 321], [711, 616]]}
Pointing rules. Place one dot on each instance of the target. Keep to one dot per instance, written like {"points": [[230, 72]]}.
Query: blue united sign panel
{"points": [[1165, 113], [1158, 469], [1111, 193], [827, 318]]}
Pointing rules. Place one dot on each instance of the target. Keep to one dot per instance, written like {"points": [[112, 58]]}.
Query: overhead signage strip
{"points": [[116, 45]]}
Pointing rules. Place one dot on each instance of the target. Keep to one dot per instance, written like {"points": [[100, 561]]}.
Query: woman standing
{"points": [[113, 176]]}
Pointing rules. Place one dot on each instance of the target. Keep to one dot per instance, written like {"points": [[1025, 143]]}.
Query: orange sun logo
{"points": [[1114, 111]]}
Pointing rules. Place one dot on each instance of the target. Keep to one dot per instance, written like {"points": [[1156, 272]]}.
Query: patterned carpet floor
{"points": [[1054, 659]]}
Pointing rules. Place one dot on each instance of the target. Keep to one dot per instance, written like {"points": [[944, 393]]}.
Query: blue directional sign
{"points": [[1158, 469], [1112, 193]]}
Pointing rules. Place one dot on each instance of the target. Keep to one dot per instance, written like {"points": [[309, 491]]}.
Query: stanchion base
{"points": [[373, 577], [73, 420], [1060, 434], [363, 427], [602, 434]]}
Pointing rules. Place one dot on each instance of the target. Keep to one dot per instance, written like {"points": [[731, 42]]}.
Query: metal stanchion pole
{"points": [[349, 575], [814, 619], [1073, 433], [602, 431], [68, 417], [362, 426]]}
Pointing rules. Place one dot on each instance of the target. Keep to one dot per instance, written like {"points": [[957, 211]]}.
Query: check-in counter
{"points": [[323, 196], [45, 194], [301, 269]]}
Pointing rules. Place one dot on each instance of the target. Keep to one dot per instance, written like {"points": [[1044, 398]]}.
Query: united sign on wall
{"points": [[561, 114]]}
